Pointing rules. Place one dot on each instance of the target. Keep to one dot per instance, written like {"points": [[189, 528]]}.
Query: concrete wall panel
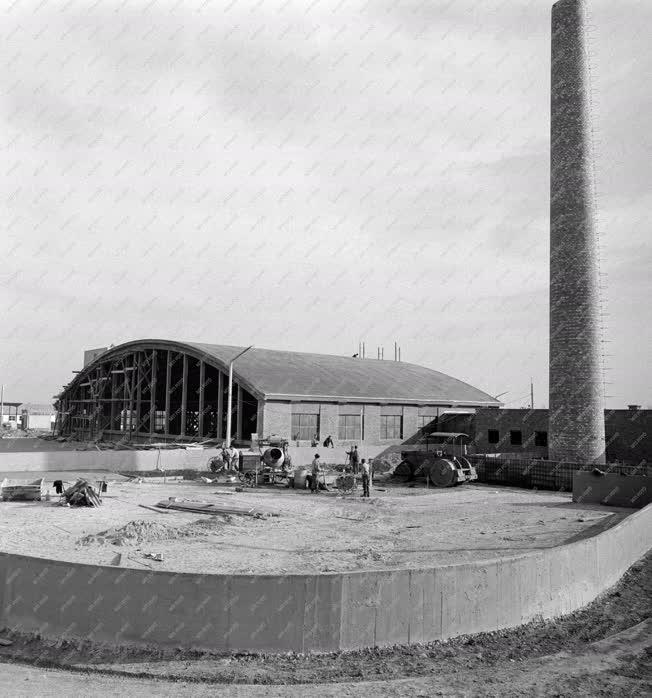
{"points": [[115, 461], [313, 612]]}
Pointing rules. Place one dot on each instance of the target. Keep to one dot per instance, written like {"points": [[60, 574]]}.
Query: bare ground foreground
{"points": [[397, 527], [602, 650]]}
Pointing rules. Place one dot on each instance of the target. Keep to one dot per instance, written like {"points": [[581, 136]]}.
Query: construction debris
{"points": [[83, 494], [22, 490], [154, 556], [208, 508]]}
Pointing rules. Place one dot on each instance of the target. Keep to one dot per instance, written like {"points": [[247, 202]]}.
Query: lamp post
{"points": [[230, 398]]}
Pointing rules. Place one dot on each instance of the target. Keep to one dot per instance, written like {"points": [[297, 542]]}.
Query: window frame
{"points": [[515, 440], [299, 432], [540, 436], [348, 429], [387, 434], [424, 420], [490, 433]]}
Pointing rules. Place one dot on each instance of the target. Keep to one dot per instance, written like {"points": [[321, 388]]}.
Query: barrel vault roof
{"points": [[291, 375], [287, 375]]}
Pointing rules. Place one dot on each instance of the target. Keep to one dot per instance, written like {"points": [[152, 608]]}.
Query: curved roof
{"points": [[288, 375]]}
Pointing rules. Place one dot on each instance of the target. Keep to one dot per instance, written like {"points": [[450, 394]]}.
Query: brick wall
{"points": [[576, 381], [628, 433], [372, 424], [329, 421], [277, 419]]}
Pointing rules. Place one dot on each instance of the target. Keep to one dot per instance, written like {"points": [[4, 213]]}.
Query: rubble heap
{"points": [[82, 494]]}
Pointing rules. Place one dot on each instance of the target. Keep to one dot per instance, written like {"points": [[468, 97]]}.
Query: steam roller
{"points": [[441, 458], [447, 472]]}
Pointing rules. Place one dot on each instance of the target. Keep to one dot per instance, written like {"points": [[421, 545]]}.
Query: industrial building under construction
{"points": [[159, 389]]}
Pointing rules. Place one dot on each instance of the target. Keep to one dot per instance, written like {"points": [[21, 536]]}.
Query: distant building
{"points": [[525, 433], [160, 389], [9, 416]]}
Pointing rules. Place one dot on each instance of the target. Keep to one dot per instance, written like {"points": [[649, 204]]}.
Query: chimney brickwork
{"points": [[576, 381]]}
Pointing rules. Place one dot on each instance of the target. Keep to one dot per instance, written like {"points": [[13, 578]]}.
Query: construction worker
{"points": [[316, 469], [235, 458], [355, 458], [231, 457], [365, 469], [328, 442]]}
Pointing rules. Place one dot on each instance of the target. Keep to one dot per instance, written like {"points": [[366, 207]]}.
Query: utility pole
{"points": [[2, 406], [229, 403]]}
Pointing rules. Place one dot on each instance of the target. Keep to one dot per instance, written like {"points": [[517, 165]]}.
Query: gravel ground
{"points": [[400, 527]]}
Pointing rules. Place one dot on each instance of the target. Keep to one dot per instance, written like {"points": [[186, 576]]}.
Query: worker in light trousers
{"points": [[365, 469]]}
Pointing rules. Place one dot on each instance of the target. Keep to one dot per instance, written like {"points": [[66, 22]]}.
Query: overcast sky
{"points": [[307, 174]]}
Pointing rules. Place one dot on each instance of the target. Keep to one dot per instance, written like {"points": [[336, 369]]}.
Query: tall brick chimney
{"points": [[576, 430]]}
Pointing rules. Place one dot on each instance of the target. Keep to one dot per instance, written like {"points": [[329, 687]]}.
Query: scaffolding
{"points": [[152, 393]]}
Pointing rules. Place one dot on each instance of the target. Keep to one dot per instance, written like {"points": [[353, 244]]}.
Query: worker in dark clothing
{"points": [[355, 459], [316, 469], [328, 442], [365, 469]]}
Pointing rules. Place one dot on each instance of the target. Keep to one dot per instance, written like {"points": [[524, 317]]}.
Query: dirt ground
{"points": [[602, 650], [400, 526]]}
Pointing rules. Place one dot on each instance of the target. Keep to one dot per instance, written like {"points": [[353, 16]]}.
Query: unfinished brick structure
{"points": [[576, 389]]}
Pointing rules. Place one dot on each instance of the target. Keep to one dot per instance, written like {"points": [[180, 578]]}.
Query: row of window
{"points": [[516, 437], [305, 427]]}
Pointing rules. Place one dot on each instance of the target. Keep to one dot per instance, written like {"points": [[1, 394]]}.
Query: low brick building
{"points": [[525, 432], [160, 389]]}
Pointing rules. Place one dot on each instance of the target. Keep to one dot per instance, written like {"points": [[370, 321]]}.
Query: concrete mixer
{"points": [[441, 457], [273, 457]]}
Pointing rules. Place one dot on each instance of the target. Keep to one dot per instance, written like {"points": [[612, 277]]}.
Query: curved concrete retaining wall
{"points": [[313, 612], [170, 459], [115, 461]]}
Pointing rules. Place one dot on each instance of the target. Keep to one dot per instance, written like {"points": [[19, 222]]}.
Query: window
{"points": [[391, 426], [424, 420], [516, 438], [305, 426], [493, 436], [350, 427], [541, 438]]}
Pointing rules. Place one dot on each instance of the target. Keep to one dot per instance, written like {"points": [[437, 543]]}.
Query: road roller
{"points": [[441, 457]]}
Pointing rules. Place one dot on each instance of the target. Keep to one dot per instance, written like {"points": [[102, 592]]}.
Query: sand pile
{"points": [[132, 533], [136, 532]]}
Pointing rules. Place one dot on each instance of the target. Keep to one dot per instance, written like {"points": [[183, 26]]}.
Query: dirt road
{"points": [[618, 666]]}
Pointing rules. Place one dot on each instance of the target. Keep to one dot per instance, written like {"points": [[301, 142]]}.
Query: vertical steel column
{"points": [[114, 398], [123, 421], [152, 395], [200, 420], [238, 417], [132, 387], [220, 405], [168, 377], [184, 395], [139, 389]]}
